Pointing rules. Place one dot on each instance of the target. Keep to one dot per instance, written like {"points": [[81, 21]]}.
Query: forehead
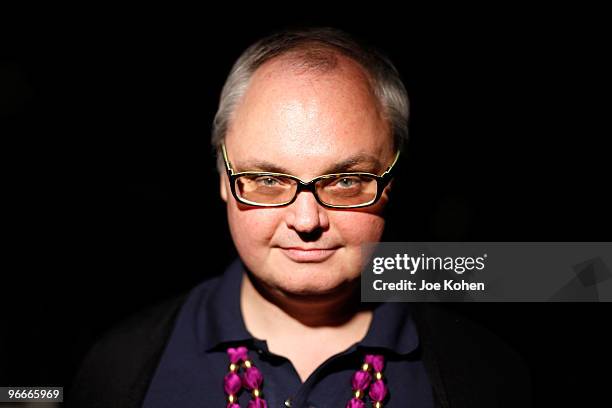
{"points": [[304, 119]]}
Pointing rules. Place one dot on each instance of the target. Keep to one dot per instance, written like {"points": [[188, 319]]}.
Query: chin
{"points": [[311, 279]]}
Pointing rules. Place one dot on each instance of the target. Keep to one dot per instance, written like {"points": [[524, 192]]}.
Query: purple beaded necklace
{"points": [[251, 379]]}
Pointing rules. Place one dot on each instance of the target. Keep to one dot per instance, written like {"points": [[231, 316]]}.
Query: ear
{"points": [[223, 186], [388, 189]]}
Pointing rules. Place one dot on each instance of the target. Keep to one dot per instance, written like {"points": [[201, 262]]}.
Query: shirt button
{"points": [[288, 402]]}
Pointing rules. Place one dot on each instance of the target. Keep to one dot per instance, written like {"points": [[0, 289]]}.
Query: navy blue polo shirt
{"points": [[191, 370]]}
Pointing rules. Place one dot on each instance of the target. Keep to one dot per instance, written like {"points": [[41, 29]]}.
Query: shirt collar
{"points": [[219, 319], [392, 328]]}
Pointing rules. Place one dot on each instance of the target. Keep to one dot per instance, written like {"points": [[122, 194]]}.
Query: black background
{"points": [[111, 196]]}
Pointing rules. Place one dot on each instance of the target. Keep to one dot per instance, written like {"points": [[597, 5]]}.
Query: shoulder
{"points": [[469, 362], [450, 330], [117, 369]]}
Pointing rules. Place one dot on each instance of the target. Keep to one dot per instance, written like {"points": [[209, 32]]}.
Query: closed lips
{"points": [[298, 254]]}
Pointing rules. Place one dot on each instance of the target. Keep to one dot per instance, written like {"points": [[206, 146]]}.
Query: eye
{"points": [[267, 181], [348, 182]]}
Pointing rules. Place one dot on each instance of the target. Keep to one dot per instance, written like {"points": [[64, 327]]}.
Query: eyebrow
{"points": [[358, 162]]}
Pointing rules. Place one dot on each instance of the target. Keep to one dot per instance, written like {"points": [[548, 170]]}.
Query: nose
{"points": [[305, 215]]}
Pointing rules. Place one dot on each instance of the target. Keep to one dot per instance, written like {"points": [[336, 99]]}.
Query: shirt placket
{"points": [[284, 378]]}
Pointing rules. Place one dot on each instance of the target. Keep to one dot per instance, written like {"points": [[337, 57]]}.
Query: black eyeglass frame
{"points": [[381, 180]]}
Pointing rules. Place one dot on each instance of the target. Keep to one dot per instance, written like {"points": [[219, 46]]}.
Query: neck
{"points": [[269, 312]]}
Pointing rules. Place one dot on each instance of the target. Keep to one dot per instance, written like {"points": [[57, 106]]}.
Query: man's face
{"points": [[305, 124]]}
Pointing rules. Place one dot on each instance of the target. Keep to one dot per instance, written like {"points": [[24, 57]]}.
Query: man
{"points": [[308, 132]]}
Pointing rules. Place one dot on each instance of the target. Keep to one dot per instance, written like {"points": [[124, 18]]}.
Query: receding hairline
{"points": [[316, 57], [319, 54], [318, 50], [318, 60]]}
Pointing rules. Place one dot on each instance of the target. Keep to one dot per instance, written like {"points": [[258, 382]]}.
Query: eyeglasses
{"points": [[340, 190]]}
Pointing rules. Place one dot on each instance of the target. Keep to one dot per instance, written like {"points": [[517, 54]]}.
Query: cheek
{"points": [[357, 228], [251, 228]]}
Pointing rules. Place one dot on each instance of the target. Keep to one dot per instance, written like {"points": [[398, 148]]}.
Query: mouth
{"points": [[304, 255]]}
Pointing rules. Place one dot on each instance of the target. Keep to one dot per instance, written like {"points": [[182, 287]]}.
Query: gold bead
{"points": [[233, 367], [256, 393], [357, 393], [365, 367], [247, 363], [378, 404], [231, 398], [378, 375]]}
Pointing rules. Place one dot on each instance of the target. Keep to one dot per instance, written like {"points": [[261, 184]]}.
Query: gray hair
{"points": [[315, 49]]}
